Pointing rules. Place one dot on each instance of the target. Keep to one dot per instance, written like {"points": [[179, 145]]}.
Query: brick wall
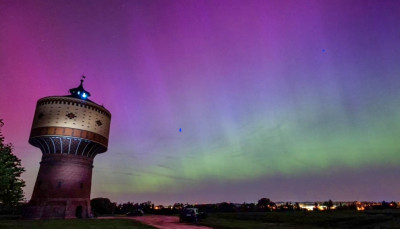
{"points": [[63, 184]]}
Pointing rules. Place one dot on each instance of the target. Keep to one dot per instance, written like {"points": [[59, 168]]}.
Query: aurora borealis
{"points": [[216, 101]]}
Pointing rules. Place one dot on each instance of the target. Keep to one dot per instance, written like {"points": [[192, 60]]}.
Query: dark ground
{"points": [[325, 219], [73, 224], [252, 220]]}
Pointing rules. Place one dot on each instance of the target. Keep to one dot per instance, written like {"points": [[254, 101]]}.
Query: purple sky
{"points": [[291, 100]]}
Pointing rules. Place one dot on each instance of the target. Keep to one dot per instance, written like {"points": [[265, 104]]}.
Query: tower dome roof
{"points": [[80, 92]]}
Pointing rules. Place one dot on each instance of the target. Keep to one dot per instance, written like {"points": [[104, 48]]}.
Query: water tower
{"points": [[70, 131]]}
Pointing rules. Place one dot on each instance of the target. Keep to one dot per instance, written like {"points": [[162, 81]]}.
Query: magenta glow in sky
{"points": [[291, 100]]}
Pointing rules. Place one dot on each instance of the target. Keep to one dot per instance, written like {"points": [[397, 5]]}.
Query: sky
{"points": [[216, 101]]}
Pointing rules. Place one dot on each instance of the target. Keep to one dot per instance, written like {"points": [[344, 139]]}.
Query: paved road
{"points": [[161, 222]]}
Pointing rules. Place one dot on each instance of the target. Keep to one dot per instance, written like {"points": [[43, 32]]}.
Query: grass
{"points": [[333, 219], [73, 224], [253, 220]]}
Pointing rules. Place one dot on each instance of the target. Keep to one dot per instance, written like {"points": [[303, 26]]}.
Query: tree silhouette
{"points": [[102, 206], [265, 204], [297, 206], [11, 183], [328, 204], [316, 207]]}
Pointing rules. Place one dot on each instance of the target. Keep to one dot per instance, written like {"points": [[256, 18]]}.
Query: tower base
{"points": [[58, 209], [62, 188]]}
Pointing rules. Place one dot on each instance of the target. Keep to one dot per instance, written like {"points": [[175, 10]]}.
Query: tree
{"points": [[101, 206], [226, 207], [128, 207], [316, 207], [11, 183], [177, 206], [328, 204], [265, 204], [147, 207], [297, 206]]}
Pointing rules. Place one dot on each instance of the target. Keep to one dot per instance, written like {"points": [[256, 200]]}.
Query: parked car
{"points": [[189, 215], [138, 212]]}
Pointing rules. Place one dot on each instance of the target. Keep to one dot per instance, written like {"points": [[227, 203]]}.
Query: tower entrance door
{"points": [[78, 212]]}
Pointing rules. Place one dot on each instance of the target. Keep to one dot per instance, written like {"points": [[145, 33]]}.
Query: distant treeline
{"points": [[103, 206]]}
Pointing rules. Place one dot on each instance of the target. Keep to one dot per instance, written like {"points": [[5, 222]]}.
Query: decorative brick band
{"points": [[66, 131], [54, 159], [74, 102]]}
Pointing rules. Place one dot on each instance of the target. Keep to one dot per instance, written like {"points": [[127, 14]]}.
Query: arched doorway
{"points": [[78, 212]]}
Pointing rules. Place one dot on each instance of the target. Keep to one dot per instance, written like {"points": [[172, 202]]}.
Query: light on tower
{"points": [[80, 92]]}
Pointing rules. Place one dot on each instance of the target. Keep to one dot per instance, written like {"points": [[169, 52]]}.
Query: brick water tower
{"points": [[70, 131]]}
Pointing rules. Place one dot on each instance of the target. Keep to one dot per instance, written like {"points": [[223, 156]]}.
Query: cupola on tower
{"points": [[70, 131]]}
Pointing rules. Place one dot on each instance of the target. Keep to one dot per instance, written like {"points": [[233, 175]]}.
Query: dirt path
{"points": [[161, 222]]}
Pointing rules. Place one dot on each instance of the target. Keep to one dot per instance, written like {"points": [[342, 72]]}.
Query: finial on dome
{"points": [[79, 92]]}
